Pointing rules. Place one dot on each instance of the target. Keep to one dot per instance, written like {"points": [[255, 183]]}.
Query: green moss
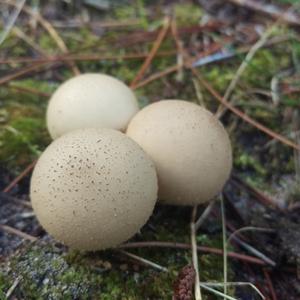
{"points": [[187, 14], [125, 12], [272, 159], [219, 77], [16, 46], [126, 71], [265, 64], [22, 140], [5, 283], [246, 162], [47, 272], [261, 69], [159, 286], [23, 133], [142, 13], [47, 43], [289, 101], [39, 85], [75, 39]]}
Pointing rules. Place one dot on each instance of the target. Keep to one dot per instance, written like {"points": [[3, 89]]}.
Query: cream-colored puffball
{"points": [[90, 101], [93, 188], [190, 149]]}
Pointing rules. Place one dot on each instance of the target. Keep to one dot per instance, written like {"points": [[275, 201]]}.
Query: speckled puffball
{"points": [[189, 146], [90, 101], [93, 188]]}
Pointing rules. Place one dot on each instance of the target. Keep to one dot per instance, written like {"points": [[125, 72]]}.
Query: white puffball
{"points": [[189, 147], [93, 188], [90, 101]]}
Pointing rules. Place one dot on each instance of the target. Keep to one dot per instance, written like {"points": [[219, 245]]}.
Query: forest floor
{"points": [[239, 59]]}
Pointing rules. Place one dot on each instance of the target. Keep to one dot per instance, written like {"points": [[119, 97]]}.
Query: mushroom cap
{"points": [[93, 188], [190, 148], [90, 101]]}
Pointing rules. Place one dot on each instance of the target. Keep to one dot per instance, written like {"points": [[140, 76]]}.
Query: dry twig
{"points": [[156, 76], [5, 198], [50, 29], [82, 57], [194, 254], [260, 196], [28, 90], [269, 9], [152, 53], [227, 104], [21, 72], [144, 261], [248, 228], [259, 44], [216, 292], [12, 288], [242, 115], [270, 284], [20, 177], [215, 284], [17, 232], [12, 20], [254, 251], [21, 35], [205, 214], [221, 110], [224, 243], [175, 245]]}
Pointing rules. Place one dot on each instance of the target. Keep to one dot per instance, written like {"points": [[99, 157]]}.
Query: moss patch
{"points": [[47, 272]]}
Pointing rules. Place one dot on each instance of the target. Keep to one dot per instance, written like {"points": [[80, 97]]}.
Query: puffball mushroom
{"points": [[190, 149], [93, 188], [90, 101]]}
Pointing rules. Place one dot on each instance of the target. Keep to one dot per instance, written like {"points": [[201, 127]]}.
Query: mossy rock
{"points": [[49, 272], [46, 272]]}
